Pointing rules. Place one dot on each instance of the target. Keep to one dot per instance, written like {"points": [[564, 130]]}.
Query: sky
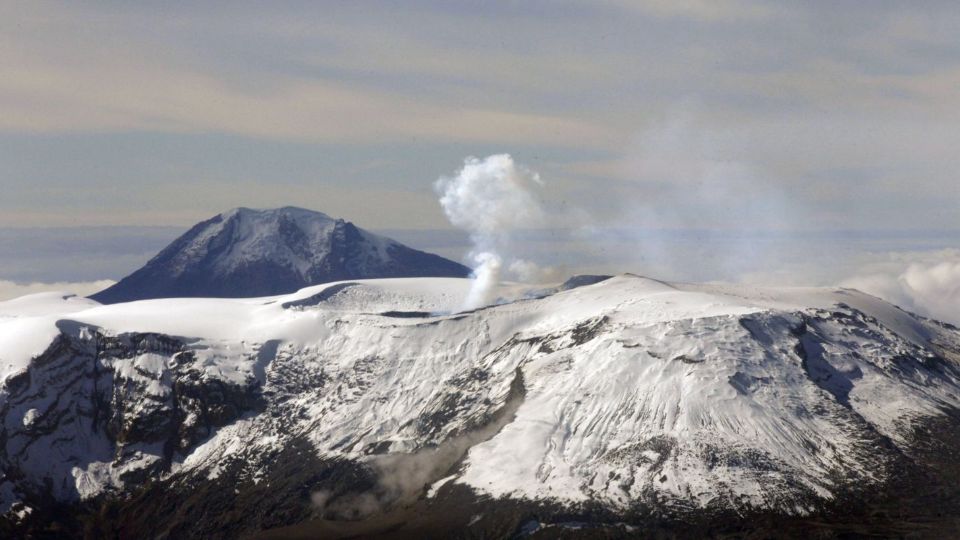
{"points": [[830, 118]]}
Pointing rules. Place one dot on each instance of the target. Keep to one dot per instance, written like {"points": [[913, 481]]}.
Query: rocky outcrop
{"points": [[100, 412]]}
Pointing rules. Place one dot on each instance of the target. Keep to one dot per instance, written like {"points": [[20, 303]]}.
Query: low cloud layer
{"points": [[10, 289], [928, 284]]}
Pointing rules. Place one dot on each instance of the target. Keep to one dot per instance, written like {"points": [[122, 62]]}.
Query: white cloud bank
{"points": [[10, 289], [928, 284]]}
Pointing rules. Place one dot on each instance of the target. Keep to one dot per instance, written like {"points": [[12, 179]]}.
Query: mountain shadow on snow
{"points": [[248, 253]]}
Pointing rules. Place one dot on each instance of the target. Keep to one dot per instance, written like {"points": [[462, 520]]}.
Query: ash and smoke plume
{"points": [[491, 199]]}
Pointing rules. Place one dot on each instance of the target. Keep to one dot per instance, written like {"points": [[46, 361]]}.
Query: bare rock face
{"points": [[249, 253], [101, 413]]}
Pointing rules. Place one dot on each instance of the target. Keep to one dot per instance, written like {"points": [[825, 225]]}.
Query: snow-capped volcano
{"points": [[248, 253], [615, 404]]}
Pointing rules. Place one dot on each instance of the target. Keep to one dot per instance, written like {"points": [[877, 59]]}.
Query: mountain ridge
{"points": [[245, 253], [616, 402]]}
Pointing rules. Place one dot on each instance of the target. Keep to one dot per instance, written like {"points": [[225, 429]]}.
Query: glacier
{"points": [[625, 393]]}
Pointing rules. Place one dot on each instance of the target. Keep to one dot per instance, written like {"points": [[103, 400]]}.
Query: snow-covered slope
{"points": [[628, 392], [249, 253]]}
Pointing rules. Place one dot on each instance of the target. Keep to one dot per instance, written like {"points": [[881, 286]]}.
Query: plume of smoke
{"points": [[491, 199], [690, 204]]}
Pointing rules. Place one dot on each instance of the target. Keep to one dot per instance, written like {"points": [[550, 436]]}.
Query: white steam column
{"points": [[491, 199]]}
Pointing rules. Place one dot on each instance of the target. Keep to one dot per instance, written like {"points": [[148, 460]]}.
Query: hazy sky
{"points": [[680, 113], [797, 142]]}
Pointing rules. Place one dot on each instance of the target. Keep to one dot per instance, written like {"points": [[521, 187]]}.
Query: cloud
{"points": [[103, 79], [831, 102], [10, 289], [928, 284], [702, 10], [80, 99]]}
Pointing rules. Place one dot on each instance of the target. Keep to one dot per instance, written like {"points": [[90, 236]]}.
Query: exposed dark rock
{"points": [[101, 403]]}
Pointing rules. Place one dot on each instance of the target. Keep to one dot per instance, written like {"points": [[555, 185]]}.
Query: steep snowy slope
{"points": [[629, 394], [249, 253]]}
